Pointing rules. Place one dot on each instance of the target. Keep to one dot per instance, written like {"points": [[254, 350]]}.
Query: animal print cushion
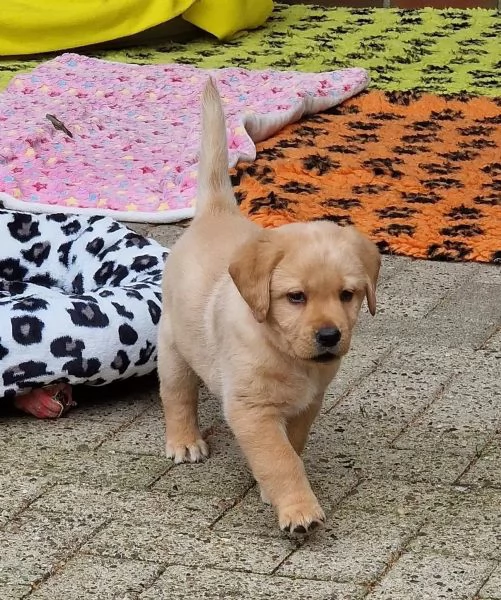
{"points": [[80, 299], [420, 174]]}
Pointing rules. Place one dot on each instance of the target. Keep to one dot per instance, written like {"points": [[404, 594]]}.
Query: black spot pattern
{"points": [[74, 316], [88, 314], [23, 227], [38, 253], [128, 335], [27, 330]]}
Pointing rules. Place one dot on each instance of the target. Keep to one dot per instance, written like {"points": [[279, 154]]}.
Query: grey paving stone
{"points": [[17, 492], [146, 435], [413, 466], [60, 433], [474, 310], [411, 294], [158, 543], [363, 358], [179, 583], [473, 303], [487, 273], [130, 505], [405, 382], [14, 592], [57, 495], [466, 318], [98, 468], [165, 234], [466, 415], [34, 544], [486, 471], [253, 517], [429, 279], [492, 588], [120, 403], [469, 526], [399, 498], [92, 577], [355, 546], [224, 475], [141, 228], [416, 577]]}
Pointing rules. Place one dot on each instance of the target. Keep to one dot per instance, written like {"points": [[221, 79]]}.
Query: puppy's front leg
{"points": [[179, 394], [276, 466], [298, 427]]}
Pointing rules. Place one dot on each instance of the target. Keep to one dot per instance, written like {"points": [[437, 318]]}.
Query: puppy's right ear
{"points": [[251, 270]]}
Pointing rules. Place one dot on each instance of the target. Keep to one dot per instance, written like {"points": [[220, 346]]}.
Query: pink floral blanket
{"points": [[83, 135]]}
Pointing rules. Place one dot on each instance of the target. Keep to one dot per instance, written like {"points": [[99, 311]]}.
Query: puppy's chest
{"points": [[294, 392]]}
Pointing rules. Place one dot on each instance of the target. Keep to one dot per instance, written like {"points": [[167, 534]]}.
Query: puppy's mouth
{"points": [[325, 357]]}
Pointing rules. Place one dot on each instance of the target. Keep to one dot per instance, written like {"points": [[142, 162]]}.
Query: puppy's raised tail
{"points": [[215, 192]]}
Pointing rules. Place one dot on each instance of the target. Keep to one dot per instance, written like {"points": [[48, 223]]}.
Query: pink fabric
{"points": [[136, 131]]}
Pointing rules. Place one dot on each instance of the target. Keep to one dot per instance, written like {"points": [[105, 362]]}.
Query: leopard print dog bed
{"points": [[80, 299]]}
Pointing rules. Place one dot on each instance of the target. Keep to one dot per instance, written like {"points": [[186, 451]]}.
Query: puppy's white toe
{"points": [[181, 453]]}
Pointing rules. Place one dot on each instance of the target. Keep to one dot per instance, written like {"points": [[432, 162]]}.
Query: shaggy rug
{"points": [[420, 174]]}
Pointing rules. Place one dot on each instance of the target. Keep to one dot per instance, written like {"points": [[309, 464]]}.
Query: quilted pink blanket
{"points": [[83, 135]]}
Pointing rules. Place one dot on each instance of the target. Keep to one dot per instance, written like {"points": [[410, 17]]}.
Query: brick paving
{"points": [[405, 457]]}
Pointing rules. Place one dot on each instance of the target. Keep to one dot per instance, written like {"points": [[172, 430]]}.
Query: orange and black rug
{"points": [[419, 173]]}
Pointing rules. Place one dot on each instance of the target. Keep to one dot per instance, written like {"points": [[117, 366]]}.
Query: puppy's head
{"points": [[307, 282]]}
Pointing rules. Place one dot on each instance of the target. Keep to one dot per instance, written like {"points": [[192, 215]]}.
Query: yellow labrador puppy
{"points": [[263, 317]]}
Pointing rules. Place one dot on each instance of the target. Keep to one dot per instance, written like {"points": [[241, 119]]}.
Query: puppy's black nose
{"points": [[328, 337]]}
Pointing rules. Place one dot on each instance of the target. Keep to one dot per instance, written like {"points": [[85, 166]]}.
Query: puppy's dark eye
{"points": [[346, 296], [296, 297]]}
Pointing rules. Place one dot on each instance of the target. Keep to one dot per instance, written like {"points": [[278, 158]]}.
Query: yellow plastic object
{"points": [[223, 18], [31, 26]]}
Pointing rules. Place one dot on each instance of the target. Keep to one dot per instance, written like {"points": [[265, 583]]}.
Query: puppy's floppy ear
{"points": [[371, 259], [251, 270]]}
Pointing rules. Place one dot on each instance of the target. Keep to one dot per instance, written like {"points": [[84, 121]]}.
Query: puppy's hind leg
{"points": [[179, 394]]}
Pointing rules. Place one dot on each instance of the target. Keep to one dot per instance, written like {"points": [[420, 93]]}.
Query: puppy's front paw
{"points": [[193, 452], [301, 517]]}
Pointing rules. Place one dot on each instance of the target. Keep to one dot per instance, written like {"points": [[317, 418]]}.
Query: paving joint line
{"points": [[418, 414], [26, 505], [474, 460], [394, 558], [238, 500], [476, 595], [122, 427], [162, 567], [376, 364], [447, 296], [496, 329], [299, 543], [61, 564], [157, 478]]}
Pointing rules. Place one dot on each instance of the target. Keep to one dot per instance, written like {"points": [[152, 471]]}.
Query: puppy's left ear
{"points": [[368, 253]]}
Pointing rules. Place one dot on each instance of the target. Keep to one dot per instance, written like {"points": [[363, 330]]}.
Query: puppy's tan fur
{"points": [[228, 320]]}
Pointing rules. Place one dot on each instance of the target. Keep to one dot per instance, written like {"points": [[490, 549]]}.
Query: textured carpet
{"points": [[441, 51], [419, 184], [421, 175]]}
